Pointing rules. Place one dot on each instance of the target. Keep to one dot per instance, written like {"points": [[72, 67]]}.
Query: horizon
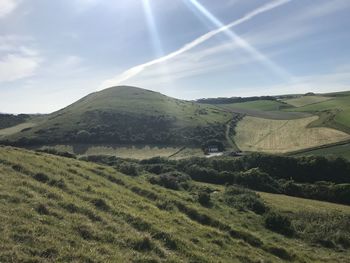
{"points": [[195, 99], [52, 54]]}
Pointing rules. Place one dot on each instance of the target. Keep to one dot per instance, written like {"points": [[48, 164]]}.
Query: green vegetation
{"points": [[263, 105], [338, 151], [9, 120], [60, 209], [333, 113], [281, 136], [127, 115], [306, 100]]}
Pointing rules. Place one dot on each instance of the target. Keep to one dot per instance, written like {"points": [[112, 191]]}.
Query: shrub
{"points": [[244, 199], [172, 180], [101, 204], [128, 168], [204, 198], [279, 223], [41, 177], [42, 209], [330, 229]]}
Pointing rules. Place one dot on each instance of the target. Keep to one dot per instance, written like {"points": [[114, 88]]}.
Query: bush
{"points": [[43, 178], [101, 204], [204, 198], [244, 199], [279, 223], [327, 229], [128, 168], [172, 180]]}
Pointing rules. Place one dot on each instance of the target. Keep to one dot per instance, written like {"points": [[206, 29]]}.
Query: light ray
{"points": [[256, 54], [132, 72], [153, 28]]}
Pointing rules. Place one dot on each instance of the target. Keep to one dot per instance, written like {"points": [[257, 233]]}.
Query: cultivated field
{"points": [[280, 136], [306, 100]]}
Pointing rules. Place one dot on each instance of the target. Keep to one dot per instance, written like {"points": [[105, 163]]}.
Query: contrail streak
{"points": [[138, 69]]}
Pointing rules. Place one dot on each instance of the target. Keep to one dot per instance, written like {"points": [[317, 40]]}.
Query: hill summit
{"points": [[128, 115]]}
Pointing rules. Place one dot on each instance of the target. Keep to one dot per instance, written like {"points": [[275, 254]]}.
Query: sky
{"points": [[52, 53]]}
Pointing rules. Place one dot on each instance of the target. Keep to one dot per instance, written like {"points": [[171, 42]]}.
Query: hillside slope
{"points": [[54, 209], [128, 115]]}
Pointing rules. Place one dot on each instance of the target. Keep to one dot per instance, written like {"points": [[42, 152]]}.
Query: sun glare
{"points": [[246, 46]]}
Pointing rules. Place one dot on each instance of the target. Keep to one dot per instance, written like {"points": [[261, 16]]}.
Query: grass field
{"points": [[129, 151], [262, 105], [280, 136], [342, 151], [16, 129], [335, 112], [290, 204], [55, 209], [264, 109], [306, 100]]}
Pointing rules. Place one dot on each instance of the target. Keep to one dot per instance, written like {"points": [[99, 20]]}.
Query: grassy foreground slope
{"points": [[55, 209], [280, 136]]}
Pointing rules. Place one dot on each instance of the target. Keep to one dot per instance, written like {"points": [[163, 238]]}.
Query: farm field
{"points": [[59, 209], [138, 152], [280, 136], [342, 151], [291, 204], [306, 100], [335, 112], [262, 105], [264, 109]]}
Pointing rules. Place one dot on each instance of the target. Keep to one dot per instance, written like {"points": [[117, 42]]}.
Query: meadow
{"points": [[56, 209], [281, 136]]}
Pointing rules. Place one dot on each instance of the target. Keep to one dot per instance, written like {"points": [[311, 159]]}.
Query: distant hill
{"points": [[128, 115]]}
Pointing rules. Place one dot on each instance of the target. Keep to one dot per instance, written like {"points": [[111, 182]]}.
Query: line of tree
{"points": [[222, 100]]}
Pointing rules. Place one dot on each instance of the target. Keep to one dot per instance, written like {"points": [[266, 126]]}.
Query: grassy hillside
{"points": [[334, 113], [128, 115], [55, 209], [279, 136], [268, 109], [306, 100]]}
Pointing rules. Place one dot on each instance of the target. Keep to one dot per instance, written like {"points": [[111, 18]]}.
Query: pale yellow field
{"points": [[306, 100], [132, 151], [280, 136], [15, 129]]}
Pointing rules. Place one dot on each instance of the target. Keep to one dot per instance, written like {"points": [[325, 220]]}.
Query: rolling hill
{"points": [[126, 115], [55, 209]]}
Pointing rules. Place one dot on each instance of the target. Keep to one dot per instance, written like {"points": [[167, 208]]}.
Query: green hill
{"points": [[55, 209], [127, 115]]}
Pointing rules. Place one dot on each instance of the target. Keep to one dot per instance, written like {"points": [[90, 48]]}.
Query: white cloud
{"points": [[7, 7], [17, 66]]}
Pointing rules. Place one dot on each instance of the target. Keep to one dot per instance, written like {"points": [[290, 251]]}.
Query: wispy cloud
{"points": [[200, 40], [18, 66], [18, 58], [7, 7]]}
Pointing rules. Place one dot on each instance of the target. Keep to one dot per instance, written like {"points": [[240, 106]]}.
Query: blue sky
{"points": [[55, 52]]}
